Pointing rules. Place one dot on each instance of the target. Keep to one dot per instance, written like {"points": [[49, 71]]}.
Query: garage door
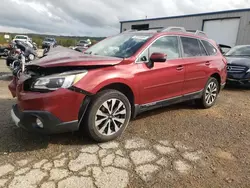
{"points": [[224, 31]]}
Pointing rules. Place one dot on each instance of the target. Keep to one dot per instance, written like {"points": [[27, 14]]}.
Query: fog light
{"points": [[39, 123]]}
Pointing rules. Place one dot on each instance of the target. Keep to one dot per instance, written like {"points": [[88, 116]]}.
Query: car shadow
{"points": [[237, 87], [14, 139]]}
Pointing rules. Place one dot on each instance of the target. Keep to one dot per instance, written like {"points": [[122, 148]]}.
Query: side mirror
{"points": [[158, 57]]}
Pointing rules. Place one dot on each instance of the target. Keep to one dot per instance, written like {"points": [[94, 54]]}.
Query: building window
{"points": [[140, 27]]}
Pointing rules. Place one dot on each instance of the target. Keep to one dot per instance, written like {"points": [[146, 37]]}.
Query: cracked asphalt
{"points": [[178, 146]]}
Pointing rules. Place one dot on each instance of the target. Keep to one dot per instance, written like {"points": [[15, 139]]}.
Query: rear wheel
{"points": [[210, 94], [107, 116]]}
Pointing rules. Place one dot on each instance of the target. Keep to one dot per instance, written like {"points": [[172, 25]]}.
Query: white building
{"points": [[230, 27]]}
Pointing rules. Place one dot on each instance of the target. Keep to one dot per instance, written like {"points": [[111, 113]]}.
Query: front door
{"points": [[165, 79]]}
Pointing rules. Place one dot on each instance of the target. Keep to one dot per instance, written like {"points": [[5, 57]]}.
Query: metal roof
{"points": [[189, 15]]}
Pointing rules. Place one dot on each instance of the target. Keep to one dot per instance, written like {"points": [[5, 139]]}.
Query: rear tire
{"points": [[210, 94], [107, 116]]}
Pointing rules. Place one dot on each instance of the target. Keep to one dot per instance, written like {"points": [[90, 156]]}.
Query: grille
{"points": [[236, 69]]}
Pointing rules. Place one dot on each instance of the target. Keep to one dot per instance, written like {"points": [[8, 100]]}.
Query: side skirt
{"points": [[163, 103]]}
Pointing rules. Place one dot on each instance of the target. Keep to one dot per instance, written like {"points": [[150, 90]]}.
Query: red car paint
{"points": [[164, 80]]}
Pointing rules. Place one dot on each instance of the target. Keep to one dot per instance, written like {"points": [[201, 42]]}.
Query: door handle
{"points": [[179, 68], [207, 63]]}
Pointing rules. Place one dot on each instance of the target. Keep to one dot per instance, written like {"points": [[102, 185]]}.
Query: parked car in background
{"points": [[4, 51], [117, 79], [23, 38], [238, 67], [26, 39], [84, 43], [47, 42], [224, 48]]}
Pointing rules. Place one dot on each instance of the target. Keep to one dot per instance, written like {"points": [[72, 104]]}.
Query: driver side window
{"points": [[168, 45]]}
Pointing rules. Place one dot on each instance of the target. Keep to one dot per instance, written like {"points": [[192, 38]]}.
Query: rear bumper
{"points": [[51, 124]]}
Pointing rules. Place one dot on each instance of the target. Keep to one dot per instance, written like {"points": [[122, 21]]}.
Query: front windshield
{"points": [[123, 45], [239, 51], [21, 37]]}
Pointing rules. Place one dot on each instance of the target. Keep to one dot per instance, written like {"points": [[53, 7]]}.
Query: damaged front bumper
{"points": [[48, 123]]}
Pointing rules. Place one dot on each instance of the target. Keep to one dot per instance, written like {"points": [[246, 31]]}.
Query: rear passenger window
{"points": [[209, 47], [191, 47]]}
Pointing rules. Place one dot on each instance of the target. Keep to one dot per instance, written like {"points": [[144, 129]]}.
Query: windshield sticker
{"points": [[140, 37]]}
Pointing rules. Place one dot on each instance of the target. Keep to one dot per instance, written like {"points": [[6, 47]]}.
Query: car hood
{"points": [[61, 57], [244, 61]]}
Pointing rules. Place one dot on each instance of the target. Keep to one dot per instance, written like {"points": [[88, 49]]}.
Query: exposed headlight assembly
{"points": [[54, 82]]}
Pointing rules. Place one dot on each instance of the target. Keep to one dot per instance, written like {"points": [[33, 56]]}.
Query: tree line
{"points": [[61, 40]]}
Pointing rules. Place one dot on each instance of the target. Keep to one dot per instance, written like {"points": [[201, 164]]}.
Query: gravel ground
{"points": [[178, 146]]}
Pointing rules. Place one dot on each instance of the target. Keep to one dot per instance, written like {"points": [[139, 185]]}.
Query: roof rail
{"points": [[141, 31], [182, 29], [201, 33], [173, 28]]}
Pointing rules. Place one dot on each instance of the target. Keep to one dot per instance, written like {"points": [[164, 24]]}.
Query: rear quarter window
{"points": [[211, 50]]}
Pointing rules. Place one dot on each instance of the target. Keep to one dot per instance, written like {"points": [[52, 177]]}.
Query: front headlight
{"points": [[248, 70], [54, 82]]}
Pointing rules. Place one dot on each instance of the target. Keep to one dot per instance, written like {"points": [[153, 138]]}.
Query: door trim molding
{"points": [[167, 102]]}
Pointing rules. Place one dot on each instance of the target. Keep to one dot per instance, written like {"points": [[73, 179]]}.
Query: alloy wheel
{"points": [[211, 93], [110, 117]]}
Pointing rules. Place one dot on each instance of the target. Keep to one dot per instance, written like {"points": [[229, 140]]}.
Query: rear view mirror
{"points": [[158, 57]]}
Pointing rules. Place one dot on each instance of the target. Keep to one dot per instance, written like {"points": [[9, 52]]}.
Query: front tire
{"points": [[210, 94], [107, 116]]}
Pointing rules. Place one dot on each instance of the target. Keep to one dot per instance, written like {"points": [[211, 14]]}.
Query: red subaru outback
{"points": [[118, 78]]}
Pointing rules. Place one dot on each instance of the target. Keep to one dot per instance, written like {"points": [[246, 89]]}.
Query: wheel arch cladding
{"points": [[217, 77], [126, 90], [123, 88]]}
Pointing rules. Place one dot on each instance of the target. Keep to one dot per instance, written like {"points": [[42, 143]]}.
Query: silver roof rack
{"points": [[173, 28], [140, 31], [201, 33], [169, 29], [182, 29]]}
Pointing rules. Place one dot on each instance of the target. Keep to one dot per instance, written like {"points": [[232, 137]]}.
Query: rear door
{"points": [[165, 79], [196, 63]]}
